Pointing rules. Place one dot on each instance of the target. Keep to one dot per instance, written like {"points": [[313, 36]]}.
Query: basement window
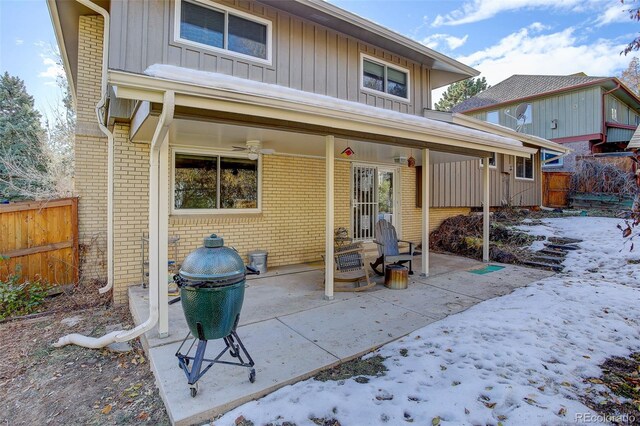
{"points": [[216, 27], [380, 76], [204, 183], [524, 168]]}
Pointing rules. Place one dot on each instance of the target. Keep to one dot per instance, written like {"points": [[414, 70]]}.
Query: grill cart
{"points": [[211, 282]]}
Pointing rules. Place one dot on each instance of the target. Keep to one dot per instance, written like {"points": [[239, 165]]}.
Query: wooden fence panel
{"points": [[40, 240], [555, 189]]}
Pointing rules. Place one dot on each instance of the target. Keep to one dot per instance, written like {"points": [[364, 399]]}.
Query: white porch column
{"points": [[328, 259], [163, 240], [426, 194], [485, 209]]}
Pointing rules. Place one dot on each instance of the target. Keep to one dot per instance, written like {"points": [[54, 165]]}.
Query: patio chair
{"points": [[349, 262], [388, 250]]}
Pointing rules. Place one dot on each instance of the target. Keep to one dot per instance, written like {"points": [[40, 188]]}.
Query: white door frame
{"points": [[397, 193]]}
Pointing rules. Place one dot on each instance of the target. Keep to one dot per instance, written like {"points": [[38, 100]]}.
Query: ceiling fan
{"points": [[254, 148]]}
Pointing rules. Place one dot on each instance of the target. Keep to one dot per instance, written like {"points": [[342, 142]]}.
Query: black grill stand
{"points": [[233, 345]]}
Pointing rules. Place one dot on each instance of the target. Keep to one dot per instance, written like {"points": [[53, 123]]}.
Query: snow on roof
{"points": [[273, 91]]}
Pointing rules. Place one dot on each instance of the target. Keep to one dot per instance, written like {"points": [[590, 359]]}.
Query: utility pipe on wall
{"points": [[99, 107], [157, 236]]}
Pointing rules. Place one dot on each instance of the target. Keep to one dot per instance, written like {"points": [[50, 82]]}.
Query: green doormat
{"points": [[487, 269]]}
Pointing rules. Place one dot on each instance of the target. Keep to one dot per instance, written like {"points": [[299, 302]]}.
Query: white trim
{"points": [[211, 153], [386, 65], [533, 168], [495, 162], [226, 10]]}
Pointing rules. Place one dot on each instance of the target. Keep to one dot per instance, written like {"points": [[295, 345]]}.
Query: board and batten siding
{"points": [[306, 56], [578, 113], [625, 114], [459, 184]]}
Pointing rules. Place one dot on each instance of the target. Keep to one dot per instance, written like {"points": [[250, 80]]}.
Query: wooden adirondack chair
{"points": [[388, 250], [350, 267], [349, 264]]}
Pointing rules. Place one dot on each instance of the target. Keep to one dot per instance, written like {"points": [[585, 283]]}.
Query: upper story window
{"points": [[546, 154], [524, 168], [217, 27], [205, 183], [614, 110], [492, 161], [382, 77], [493, 117]]}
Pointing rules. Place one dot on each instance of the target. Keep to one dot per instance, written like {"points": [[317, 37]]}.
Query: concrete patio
{"points": [[292, 333]]}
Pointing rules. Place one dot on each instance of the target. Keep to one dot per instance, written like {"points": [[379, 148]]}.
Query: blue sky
{"points": [[497, 37]]}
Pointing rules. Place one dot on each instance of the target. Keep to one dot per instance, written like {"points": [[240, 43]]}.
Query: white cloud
{"points": [[479, 10], [434, 41], [616, 12], [19, 42], [560, 53]]}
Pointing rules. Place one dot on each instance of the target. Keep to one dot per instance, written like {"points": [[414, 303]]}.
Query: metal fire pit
{"points": [[212, 281]]}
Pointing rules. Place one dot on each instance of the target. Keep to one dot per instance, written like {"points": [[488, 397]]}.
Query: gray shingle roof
{"points": [[523, 86]]}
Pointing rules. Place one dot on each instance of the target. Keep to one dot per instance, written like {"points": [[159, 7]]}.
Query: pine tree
{"points": [[21, 137], [460, 91]]}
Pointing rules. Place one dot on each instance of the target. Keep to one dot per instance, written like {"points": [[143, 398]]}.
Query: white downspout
{"points": [[155, 227], [99, 106]]}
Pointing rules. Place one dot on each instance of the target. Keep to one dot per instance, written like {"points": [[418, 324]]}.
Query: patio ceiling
{"points": [[222, 136]]}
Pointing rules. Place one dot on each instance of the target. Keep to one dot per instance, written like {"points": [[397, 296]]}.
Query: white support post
{"points": [[485, 209], [426, 194], [163, 240], [328, 259]]}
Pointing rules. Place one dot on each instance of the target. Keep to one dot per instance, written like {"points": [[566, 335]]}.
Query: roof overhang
{"points": [[608, 83], [65, 16], [445, 70], [634, 143], [234, 100], [465, 120]]}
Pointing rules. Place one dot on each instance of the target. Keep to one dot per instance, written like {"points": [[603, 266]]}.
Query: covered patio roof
{"points": [[218, 97]]}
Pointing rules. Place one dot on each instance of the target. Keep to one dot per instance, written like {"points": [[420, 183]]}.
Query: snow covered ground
{"points": [[520, 359]]}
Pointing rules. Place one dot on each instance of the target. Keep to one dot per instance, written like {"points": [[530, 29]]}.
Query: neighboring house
{"points": [[299, 84], [589, 115]]}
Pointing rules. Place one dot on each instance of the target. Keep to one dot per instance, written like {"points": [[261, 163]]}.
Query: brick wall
{"points": [[131, 210], [290, 227], [90, 152]]}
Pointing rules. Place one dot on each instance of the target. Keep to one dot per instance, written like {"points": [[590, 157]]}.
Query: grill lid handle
{"points": [[213, 241]]}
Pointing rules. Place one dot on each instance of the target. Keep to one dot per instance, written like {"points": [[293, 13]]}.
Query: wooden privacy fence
{"points": [[555, 189], [39, 239]]}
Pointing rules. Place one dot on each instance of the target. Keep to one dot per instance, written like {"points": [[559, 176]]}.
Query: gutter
{"points": [[110, 155], [155, 233], [604, 116]]}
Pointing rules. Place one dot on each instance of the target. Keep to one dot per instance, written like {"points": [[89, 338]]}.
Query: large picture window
{"points": [[215, 26], [524, 168], [214, 183], [386, 78]]}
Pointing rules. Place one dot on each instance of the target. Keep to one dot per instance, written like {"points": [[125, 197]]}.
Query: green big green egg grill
{"points": [[211, 281]]}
